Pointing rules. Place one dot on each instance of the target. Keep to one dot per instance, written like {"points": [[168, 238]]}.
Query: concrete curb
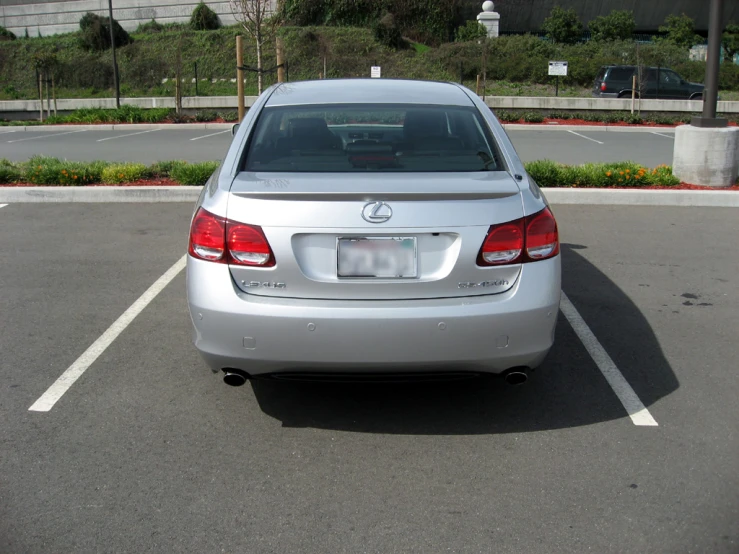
{"points": [[706, 198], [619, 197]]}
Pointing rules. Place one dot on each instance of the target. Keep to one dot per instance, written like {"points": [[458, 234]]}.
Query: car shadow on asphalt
{"points": [[568, 390]]}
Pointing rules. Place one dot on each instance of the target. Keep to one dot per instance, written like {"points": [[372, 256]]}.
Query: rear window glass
{"points": [[620, 73], [387, 137], [601, 74]]}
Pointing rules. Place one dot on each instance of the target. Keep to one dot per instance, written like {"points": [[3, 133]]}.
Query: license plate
{"points": [[377, 257]]}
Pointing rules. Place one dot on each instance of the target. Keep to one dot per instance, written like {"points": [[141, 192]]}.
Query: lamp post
{"points": [[115, 63], [710, 92]]}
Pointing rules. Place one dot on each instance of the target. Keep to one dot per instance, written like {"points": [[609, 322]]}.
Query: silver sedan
{"points": [[372, 228]]}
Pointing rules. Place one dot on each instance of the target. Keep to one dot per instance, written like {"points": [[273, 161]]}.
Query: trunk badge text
{"points": [[376, 212], [497, 283], [263, 284]]}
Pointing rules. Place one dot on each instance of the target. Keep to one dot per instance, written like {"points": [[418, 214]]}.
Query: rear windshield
{"points": [[387, 137], [620, 73]]}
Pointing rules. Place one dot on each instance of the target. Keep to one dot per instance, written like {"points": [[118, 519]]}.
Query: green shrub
{"points": [[195, 174], [95, 32], [634, 119], [563, 26], [205, 116], [544, 172], [509, 116], [6, 35], [164, 169], [471, 30], [9, 173], [387, 32], [680, 31], [204, 19], [548, 173], [115, 174], [617, 25], [229, 117], [533, 117], [42, 170], [150, 27]]}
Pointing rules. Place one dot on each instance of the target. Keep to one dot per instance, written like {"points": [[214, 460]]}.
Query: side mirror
{"points": [[234, 128]]}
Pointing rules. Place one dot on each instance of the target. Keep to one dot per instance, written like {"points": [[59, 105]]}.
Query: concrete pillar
{"points": [[490, 19], [706, 156]]}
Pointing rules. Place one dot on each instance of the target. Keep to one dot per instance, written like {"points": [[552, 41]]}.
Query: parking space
{"points": [[648, 147], [149, 451]]}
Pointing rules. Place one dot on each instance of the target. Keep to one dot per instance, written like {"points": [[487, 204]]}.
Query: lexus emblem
{"points": [[376, 212]]}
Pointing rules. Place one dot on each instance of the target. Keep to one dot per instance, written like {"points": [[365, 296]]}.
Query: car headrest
{"points": [[308, 127], [424, 123]]}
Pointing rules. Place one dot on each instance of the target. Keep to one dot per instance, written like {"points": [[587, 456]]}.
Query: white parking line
{"points": [[80, 365], [637, 411], [583, 136], [3, 205], [7, 132], [663, 135], [47, 136], [128, 135], [212, 135]]}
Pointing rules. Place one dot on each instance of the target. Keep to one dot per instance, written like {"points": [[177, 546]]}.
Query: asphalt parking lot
{"points": [[650, 147], [148, 451]]}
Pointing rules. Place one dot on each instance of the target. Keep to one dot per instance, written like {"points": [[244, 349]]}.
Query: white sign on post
{"points": [[558, 68], [375, 72]]}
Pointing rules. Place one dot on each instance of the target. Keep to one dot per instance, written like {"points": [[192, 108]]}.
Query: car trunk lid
{"points": [[420, 232]]}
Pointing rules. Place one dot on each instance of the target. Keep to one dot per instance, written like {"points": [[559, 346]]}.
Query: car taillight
{"points": [[207, 236], [503, 245], [247, 245], [528, 239], [215, 239], [603, 86], [542, 239]]}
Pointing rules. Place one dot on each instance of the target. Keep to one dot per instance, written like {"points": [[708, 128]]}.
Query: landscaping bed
{"points": [[45, 171]]}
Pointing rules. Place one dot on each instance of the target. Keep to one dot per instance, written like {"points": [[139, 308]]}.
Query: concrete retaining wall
{"points": [[499, 102]]}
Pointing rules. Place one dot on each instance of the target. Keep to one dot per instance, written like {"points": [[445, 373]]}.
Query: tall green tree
{"points": [[563, 26], [730, 41], [680, 30], [617, 25]]}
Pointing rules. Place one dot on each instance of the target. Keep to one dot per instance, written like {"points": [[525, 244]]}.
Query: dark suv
{"points": [[616, 81]]}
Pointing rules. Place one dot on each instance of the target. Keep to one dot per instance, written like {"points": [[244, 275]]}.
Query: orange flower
{"points": [[39, 167], [637, 176], [627, 177], [628, 171], [608, 173], [120, 175], [64, 171], [75, 177], [620, 172]]}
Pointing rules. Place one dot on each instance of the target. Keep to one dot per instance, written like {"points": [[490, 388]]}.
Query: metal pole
{"points": [[556, 87], [240, 77], [710, 93], [710, 96], [115, 63], [196, 79]]}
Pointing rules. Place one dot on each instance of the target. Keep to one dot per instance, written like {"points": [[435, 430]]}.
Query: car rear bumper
{"points": [[261, 335]]}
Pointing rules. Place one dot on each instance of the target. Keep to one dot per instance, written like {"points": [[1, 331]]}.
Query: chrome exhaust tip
{"points": [[234, 377], [516, 376]]}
